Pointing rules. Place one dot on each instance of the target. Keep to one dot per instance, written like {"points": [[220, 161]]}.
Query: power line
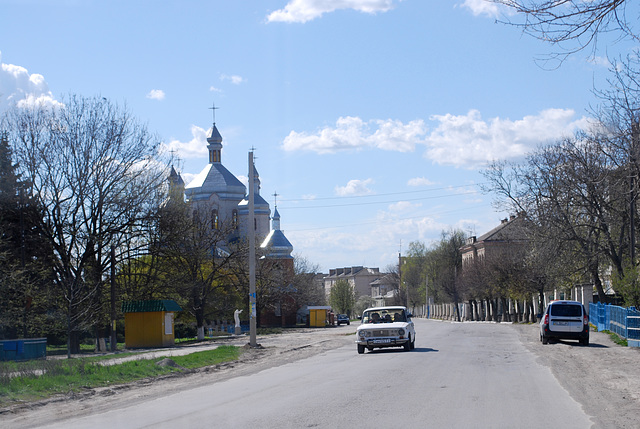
{"points": [[383, 195], [370, 222], [360, 203]]}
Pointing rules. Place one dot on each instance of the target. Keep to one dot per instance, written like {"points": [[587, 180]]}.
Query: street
{"points": [[459, 375]]}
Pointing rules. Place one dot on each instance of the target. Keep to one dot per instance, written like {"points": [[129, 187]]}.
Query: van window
{"points": [[566, 310]]}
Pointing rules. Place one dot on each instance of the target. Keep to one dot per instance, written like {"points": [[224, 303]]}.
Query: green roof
{"points": [[150, 305]]}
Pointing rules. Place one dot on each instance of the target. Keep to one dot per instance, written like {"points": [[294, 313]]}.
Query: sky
{"points": [[371, 120]]}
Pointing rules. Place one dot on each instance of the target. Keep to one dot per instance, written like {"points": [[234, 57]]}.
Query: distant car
{"points": [[385, 327], [343, 318], [565, 320]]}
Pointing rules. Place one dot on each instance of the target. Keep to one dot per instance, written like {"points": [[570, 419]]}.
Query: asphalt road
{"points": [[459, 375]]}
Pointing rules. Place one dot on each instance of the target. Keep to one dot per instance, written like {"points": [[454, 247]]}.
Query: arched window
{"points": [[234, 219], [214, 219]]}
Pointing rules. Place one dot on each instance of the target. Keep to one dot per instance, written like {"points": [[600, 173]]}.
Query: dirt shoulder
{"points": [[274, 350], [604, 377]]}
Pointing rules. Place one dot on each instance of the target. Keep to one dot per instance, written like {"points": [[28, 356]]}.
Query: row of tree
{"points": [[576, 197], [85, 206]]}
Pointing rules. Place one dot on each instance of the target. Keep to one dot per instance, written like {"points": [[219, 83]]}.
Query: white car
{"points": [[565, 320], [385, 327]]}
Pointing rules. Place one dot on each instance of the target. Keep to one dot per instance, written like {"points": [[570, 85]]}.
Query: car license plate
{"points": [[382, 341], [561, 323]]}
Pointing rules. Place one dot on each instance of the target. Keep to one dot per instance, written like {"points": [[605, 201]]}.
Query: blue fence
{"points": [[623, 321], [23, 349]]}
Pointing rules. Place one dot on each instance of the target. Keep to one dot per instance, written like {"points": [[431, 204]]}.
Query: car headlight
{"points": [[361, 333], [401, 332]]}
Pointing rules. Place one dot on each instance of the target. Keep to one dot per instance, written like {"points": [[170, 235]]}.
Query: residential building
{"points": [[501, 240], [359, 278]]}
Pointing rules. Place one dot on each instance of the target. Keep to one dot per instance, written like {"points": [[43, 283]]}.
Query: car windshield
{"points": [[566, 310], [384, 316]]}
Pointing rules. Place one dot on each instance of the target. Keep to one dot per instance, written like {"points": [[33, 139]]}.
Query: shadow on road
{"points": [[424, 350], [576, 344], [391, 350]]}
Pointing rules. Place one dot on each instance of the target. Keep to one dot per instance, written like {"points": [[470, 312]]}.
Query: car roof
{"points": [[564, 301], [390, 307]]}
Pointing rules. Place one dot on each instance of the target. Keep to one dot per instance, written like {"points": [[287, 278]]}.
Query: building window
{"points": [[214, 156], [214, 219], [234, 219]]}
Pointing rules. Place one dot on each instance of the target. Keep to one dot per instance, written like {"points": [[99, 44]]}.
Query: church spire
{"points": [[215, 141]]}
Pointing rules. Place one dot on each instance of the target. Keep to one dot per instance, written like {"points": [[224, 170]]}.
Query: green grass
{"points": [[33, 380], [616, 339]]}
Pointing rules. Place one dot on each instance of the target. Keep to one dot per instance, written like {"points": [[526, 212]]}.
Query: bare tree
{"points": [[198, 260], [574, 25], [94, 170]]}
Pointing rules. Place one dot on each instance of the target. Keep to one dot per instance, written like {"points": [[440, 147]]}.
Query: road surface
{"points": [[459, 375]]}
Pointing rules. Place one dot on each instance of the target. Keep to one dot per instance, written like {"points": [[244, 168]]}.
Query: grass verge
{"points": [[39, 379], [616, 339]]}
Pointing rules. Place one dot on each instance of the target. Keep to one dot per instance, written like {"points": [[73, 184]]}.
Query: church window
{"points": [[214, 219], [255, 224], [214, 156], [235, 219]]}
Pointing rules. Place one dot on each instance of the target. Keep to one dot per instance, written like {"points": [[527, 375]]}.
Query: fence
{"points": [[23, 349], [625, 322]]}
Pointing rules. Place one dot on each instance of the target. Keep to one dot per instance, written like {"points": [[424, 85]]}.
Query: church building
{"points": [[215, 190]]}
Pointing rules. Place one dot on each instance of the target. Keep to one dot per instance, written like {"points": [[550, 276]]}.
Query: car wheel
{"points": [[407, 345], [413, 344], [585, 341], [544, 339], [360, 349], [349, 323]]}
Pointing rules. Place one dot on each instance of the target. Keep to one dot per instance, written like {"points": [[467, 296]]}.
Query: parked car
{"points": [[385, 327], [565, 320], [343, 318]]}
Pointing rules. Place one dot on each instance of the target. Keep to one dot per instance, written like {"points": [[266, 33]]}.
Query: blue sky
{"points": [[370, 118]]}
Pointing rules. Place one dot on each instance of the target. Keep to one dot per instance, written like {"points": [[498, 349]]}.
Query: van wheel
{"points": [[545, 340], [585, 342]]}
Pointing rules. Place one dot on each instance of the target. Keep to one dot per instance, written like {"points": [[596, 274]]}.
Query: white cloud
{"points": [[355, 187], [214, 89], [194, 148], [482, 7], [156, 94], [234, 79], [353, 133], [469, 141], [466, 141], [19, 88], [307, 10], [420, 181]]}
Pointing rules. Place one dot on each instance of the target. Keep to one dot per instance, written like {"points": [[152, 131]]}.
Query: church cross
{"points": [[214, 108]]}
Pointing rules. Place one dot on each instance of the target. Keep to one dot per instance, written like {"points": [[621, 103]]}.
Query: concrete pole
{"points": [[252, 257]]}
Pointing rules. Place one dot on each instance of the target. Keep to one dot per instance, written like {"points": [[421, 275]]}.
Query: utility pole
{"points": [[251, 227], [632, 197], [114, 338]]}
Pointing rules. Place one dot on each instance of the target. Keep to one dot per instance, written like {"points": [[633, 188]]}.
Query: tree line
{"points": [[85, 203], [576, 198]]}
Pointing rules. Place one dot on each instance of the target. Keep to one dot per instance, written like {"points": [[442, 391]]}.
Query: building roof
{"points": [[150, 306], [277, 244], [215, 179]]}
